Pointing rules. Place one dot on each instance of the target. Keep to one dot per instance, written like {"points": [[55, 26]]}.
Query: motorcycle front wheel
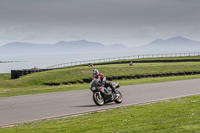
{"points": [[98, 99], [119, 99]]}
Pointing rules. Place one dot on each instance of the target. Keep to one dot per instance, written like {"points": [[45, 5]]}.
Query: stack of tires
{"points": [[17, 73]]}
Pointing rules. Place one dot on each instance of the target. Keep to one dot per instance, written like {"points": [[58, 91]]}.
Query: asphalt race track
{"points": [[19, 109]]}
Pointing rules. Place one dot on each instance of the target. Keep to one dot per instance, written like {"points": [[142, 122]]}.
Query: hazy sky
{"points": [[129, 22]]}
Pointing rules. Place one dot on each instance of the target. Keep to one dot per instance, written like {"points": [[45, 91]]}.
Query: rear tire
{"points": [[119, 99], [98, 99]]}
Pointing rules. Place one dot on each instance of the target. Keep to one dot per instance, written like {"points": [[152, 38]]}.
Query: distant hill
{"points": [[175, 43], [60, 47], [81, 43]]}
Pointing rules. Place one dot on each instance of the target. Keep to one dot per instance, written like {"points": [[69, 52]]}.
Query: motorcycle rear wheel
{"points": [[98, 99], [119, 99]]}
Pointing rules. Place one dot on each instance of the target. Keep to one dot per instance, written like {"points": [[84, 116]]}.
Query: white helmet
{"points": [[95, 73]]}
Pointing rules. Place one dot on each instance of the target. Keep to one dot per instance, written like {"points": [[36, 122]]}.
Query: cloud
{"points": [[145, 32], [22, 32], [106, 21]]}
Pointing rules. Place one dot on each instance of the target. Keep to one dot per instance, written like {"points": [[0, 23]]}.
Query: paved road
{"points": [[27, 108]]}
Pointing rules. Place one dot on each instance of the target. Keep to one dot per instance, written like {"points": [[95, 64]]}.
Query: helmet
{"points": [[95, 73]]}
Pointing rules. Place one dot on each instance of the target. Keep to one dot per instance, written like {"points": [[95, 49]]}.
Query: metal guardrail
{"points": [[122, 58]]}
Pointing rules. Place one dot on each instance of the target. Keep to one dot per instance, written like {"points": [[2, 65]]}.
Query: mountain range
{"points": [[173, 44], [59, 47]]}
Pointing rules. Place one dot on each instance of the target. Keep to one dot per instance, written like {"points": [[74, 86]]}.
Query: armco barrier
{"points": [[151, 61], [131, 57]]}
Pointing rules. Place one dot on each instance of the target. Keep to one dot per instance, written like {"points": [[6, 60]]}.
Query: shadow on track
{"points": [[107, 104]]}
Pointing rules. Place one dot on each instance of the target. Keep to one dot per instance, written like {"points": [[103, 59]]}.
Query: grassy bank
{"points": [[34, 83], [81, 72], [179, 115]]}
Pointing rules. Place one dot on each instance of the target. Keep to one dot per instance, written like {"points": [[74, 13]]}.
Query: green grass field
{"points": [[178, 116], [34, 83]]}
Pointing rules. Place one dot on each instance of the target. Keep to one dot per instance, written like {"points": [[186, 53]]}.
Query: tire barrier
{"points": [[124, 77], [138, 76], [120, 77], [132, 77], [87, 80], [66, 83], [72, 82], [109, 78], [128, 77], [17, 73], [114, 77], [14, 74], [81, 82], [52, 84]]}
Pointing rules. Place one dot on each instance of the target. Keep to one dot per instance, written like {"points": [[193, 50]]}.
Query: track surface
{"points": [[19, 109]]}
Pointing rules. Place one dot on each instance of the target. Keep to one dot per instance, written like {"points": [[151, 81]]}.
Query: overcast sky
{"points": [[128, 22]]}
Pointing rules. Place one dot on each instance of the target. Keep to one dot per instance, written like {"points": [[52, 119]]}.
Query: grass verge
{"points": [[177, 115]]}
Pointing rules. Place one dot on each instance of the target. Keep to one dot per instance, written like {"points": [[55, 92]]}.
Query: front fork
{"points": [[99, 95]]}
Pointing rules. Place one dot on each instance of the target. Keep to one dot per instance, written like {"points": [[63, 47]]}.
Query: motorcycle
{"points": [[102, 94]]}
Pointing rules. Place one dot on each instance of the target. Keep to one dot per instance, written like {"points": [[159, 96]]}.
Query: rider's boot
{"points": [[113, 90]]}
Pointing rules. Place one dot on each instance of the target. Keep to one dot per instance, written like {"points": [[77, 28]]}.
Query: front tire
{"points": [[119, 99], [98, 99]]}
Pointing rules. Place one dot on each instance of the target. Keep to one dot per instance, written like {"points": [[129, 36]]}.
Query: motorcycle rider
{"points": [[102, 79]]}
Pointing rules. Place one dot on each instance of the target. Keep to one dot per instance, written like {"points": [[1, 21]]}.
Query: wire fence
{"points": [[68, 64]]}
